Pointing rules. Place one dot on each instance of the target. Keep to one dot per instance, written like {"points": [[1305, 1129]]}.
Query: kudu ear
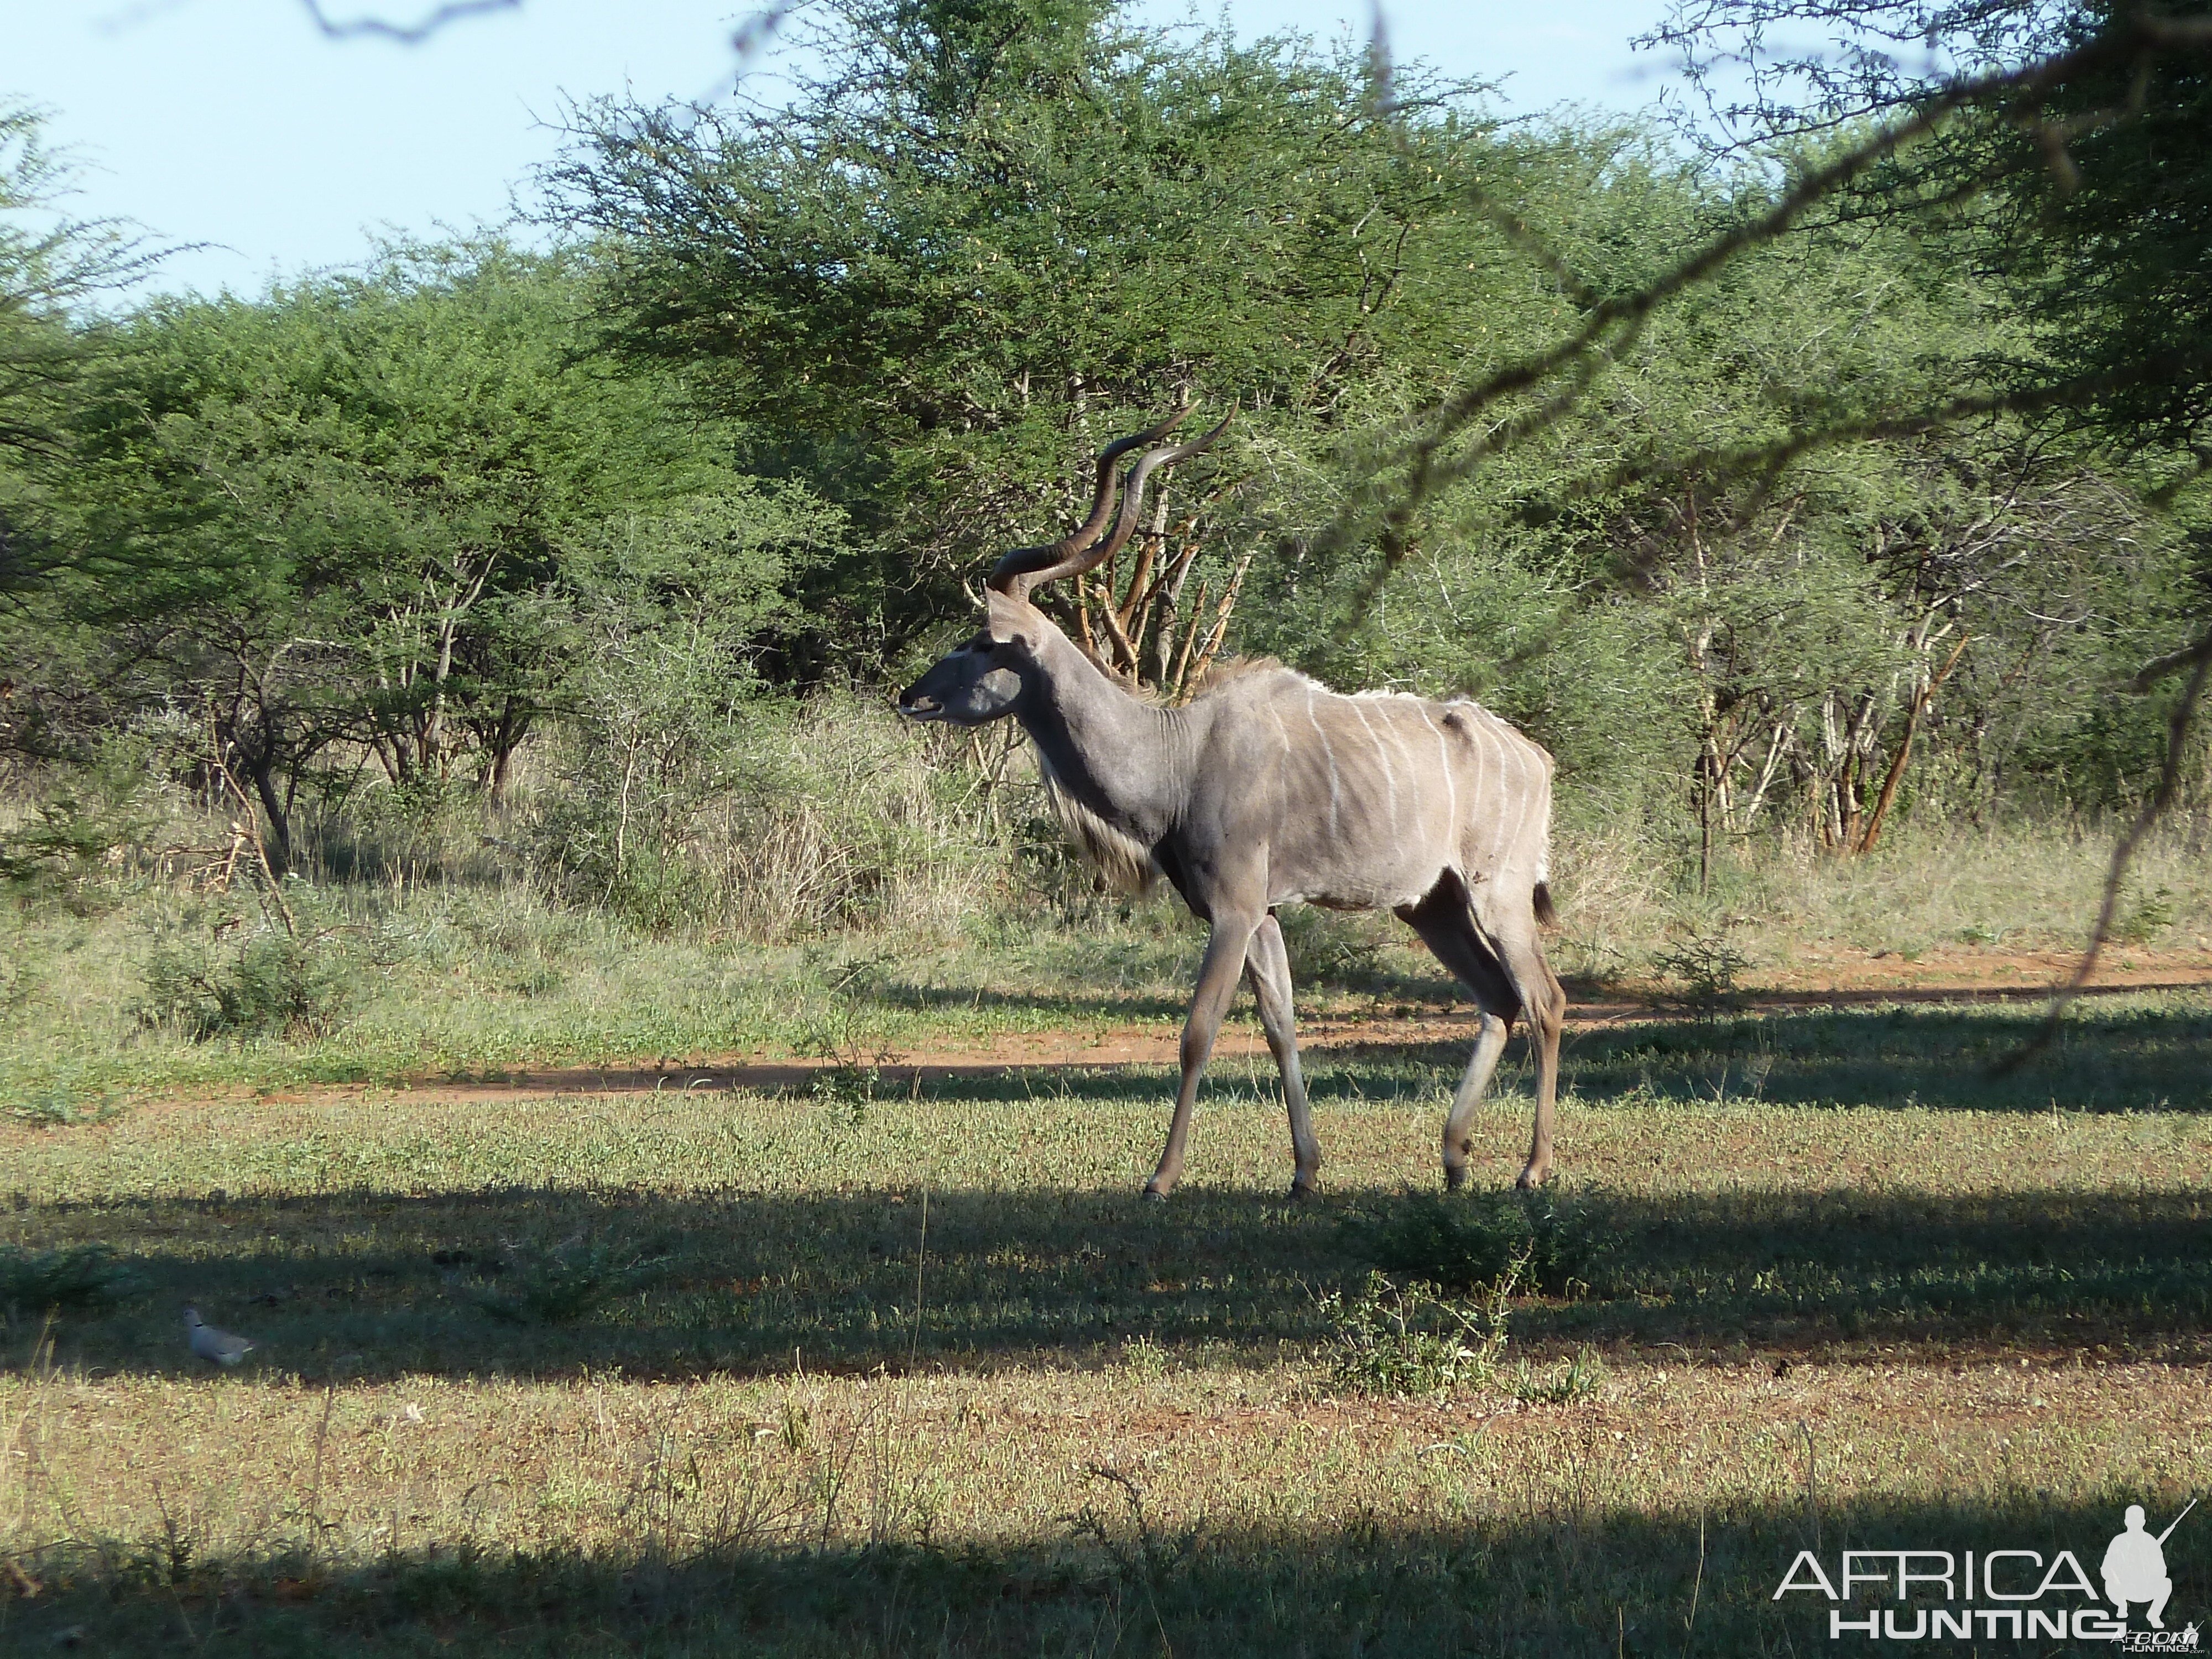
{"points": [[1010, 619]]}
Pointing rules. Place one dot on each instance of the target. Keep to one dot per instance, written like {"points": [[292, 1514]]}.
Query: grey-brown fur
{"points": [[1269, 790]]}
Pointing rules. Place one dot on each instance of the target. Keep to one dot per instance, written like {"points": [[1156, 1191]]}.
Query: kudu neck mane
{"points": [[1217, 674]]}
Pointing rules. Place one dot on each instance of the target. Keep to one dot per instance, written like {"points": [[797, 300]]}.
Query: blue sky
{"points": [[237, 124]]}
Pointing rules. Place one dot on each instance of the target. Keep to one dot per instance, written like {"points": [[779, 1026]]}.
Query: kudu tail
{"points": [[1547, 914]]}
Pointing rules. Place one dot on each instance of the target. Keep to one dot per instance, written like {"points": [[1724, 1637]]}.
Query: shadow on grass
{"points": [[1384, 984], [1567, 1575], [551, 1283], [2148, 1055]]}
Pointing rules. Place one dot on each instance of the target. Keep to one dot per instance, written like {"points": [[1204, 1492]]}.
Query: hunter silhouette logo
{"points": [[2022, 1595], [2135, 1566]]}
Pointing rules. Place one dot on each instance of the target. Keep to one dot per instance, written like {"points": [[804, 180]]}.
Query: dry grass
{"points": [[2026, 885], [1103, 1426]]}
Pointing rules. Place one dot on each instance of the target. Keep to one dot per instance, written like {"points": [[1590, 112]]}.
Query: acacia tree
{"points": [[2064, 151], [1751, 638], [339, 514], [50, 266], [2059, 152], [996, 233]]}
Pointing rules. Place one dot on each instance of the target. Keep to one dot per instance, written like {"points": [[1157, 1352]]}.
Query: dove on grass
{"points": [[210, 1343]]}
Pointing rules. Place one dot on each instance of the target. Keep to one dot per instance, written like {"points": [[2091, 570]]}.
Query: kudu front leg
{"points": [[1209, 1005]]}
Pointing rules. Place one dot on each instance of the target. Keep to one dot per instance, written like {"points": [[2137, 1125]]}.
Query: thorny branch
{"points": [[2169, 785], [411, 34]]}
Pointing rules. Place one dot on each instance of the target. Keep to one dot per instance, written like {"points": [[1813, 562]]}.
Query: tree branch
{"points": [[2169, 785], [2156, 670], [410, 34]]}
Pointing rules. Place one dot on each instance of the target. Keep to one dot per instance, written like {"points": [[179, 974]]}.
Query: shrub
{"points": [[786, 821], [1476, 1241], [1577, 1380], [1327, 947], [1414, 1342], [562, 1284], [1706, 966], [582, 848], [2150, 916], [427, 829], [60, 1105], [271, 984], [89, 821]]}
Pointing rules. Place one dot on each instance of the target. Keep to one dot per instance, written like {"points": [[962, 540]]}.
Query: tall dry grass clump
{"points": [[781, 822], [841, 820], [2023, 882]]}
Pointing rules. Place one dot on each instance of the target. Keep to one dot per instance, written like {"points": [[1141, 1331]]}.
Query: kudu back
{"points": [[1273, 790]]}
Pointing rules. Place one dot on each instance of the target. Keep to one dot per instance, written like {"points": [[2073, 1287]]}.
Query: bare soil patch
{"points": [[1832, 979]]}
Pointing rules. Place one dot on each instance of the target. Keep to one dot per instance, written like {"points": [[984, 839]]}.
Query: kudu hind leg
{"points": [[1267, 968], [1209, 1003], [1447, 929], [1546, 1001]]}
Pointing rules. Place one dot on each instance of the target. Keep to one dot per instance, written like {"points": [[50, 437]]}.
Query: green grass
{"points": [[475, 982], [684, 1373], [484, 983]]}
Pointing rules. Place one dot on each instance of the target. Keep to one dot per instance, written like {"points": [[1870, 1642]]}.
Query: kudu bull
{"points": [[1269, 790]]}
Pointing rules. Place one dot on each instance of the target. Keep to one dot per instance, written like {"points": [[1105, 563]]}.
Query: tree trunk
{"points": [[1905, 748], [501, 759], [500, 742], [1704, 823], [279, 844]]}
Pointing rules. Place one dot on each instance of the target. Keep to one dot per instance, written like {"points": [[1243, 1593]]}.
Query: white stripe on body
{"points": [[1451, 789], [1416, 802], [1389, 778], [1506, 741], [1481, 793], [1499, 815], [1537, 789], [1329, 750]]}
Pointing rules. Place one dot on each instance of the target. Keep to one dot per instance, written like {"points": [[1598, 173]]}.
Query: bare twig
{"points": [[1812, 1486], [410, 34], [921, 1251], [1690, 1623], [2169, 785], [745, 40]]}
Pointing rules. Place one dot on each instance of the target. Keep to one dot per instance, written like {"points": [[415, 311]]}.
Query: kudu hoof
{"points": [[1532, 1178], [1153, 1195], [1454, 1179], [1304, 1192]]}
